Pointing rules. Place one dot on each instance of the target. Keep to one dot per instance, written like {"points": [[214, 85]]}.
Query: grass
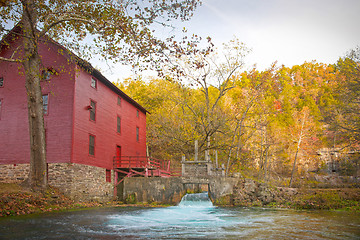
{"points": [[322, 199], [328, 199], [10, 188]]}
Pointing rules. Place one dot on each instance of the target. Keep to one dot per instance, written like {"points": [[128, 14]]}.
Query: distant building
{"points": [[88, 121]]}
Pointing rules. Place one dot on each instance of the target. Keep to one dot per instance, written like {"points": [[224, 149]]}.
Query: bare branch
{"points": [[10, 60]]}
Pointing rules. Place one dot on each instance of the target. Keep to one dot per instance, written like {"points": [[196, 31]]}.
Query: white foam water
{"points": [[199, 200], [194, 218]]}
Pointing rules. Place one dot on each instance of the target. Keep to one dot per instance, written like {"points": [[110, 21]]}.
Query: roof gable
{"points": [[16, 31]]}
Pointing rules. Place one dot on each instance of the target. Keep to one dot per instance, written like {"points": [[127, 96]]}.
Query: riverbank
{"points": [[251, 193], [16, 200], [323, 199]]}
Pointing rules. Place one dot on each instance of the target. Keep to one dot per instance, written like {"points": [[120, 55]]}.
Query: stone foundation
{"points": [[79, 182], [152, 189], [14, 172]]}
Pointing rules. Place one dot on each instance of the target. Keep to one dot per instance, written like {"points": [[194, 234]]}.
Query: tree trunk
{"points": [[301, 135], [266, 162], [294, 164], [38, 168]]}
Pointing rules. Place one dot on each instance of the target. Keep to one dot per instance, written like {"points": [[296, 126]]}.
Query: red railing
{"points": [[149, 166]]}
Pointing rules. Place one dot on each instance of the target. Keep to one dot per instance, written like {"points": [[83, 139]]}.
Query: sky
{"points": [[287, 31]]}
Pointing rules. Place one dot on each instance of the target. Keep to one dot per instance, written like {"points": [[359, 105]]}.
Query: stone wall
{"points": [[80, 182], [161, 190], [248, 191], [14, 172], [221, 189], [196, 168], [171, 190]]}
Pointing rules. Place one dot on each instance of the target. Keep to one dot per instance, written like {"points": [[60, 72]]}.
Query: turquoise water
{"points": [[194, 218]]}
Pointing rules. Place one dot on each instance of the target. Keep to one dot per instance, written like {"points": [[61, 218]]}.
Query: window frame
{"points": [[2, 80], [95, 81], [118, 124], [92, 110], [137, 113], [137, 134], [47, 105], [92, 147], [119, 101]]}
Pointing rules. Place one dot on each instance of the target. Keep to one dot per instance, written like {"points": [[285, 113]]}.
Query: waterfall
{"points": [[201, 200]]}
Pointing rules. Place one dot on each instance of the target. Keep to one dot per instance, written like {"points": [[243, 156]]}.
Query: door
{"points": [[118, 156]]}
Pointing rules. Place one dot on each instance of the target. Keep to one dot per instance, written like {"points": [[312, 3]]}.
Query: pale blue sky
{"points": [[287, 31]]}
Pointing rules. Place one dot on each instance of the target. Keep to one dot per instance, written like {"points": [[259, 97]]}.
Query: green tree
{"points": [[347, 117], [119, 30], [267, 124]]}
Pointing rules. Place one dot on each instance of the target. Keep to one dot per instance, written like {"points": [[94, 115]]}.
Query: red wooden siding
{"points": [[105, 126], [14, 131], [68, 123]]}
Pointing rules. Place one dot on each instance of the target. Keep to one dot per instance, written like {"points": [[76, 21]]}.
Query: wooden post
{"points": [[216, 158], [196, 150], [207, 152], [168, 166], [183, 165], [209, 168]]}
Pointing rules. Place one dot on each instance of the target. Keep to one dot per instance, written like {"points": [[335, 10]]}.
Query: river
{"points": [[194, 218]]}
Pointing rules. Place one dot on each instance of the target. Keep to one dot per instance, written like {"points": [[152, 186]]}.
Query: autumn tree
{"points": [[302, 133], [257, 108], [346, 115], [268, 124], [212, 72], [117, 30], [168, 131]]}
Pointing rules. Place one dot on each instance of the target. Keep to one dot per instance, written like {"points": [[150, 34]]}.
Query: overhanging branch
{"points": [[10, 60]]}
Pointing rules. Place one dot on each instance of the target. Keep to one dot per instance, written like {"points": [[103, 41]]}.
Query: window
{"points": [[93, 83], [1, 81], [45, 99], [118, 124], [46, 73], [137, 134], [91, 145], [92, 110], [108, 175], [137, 113], [119, 101]]}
